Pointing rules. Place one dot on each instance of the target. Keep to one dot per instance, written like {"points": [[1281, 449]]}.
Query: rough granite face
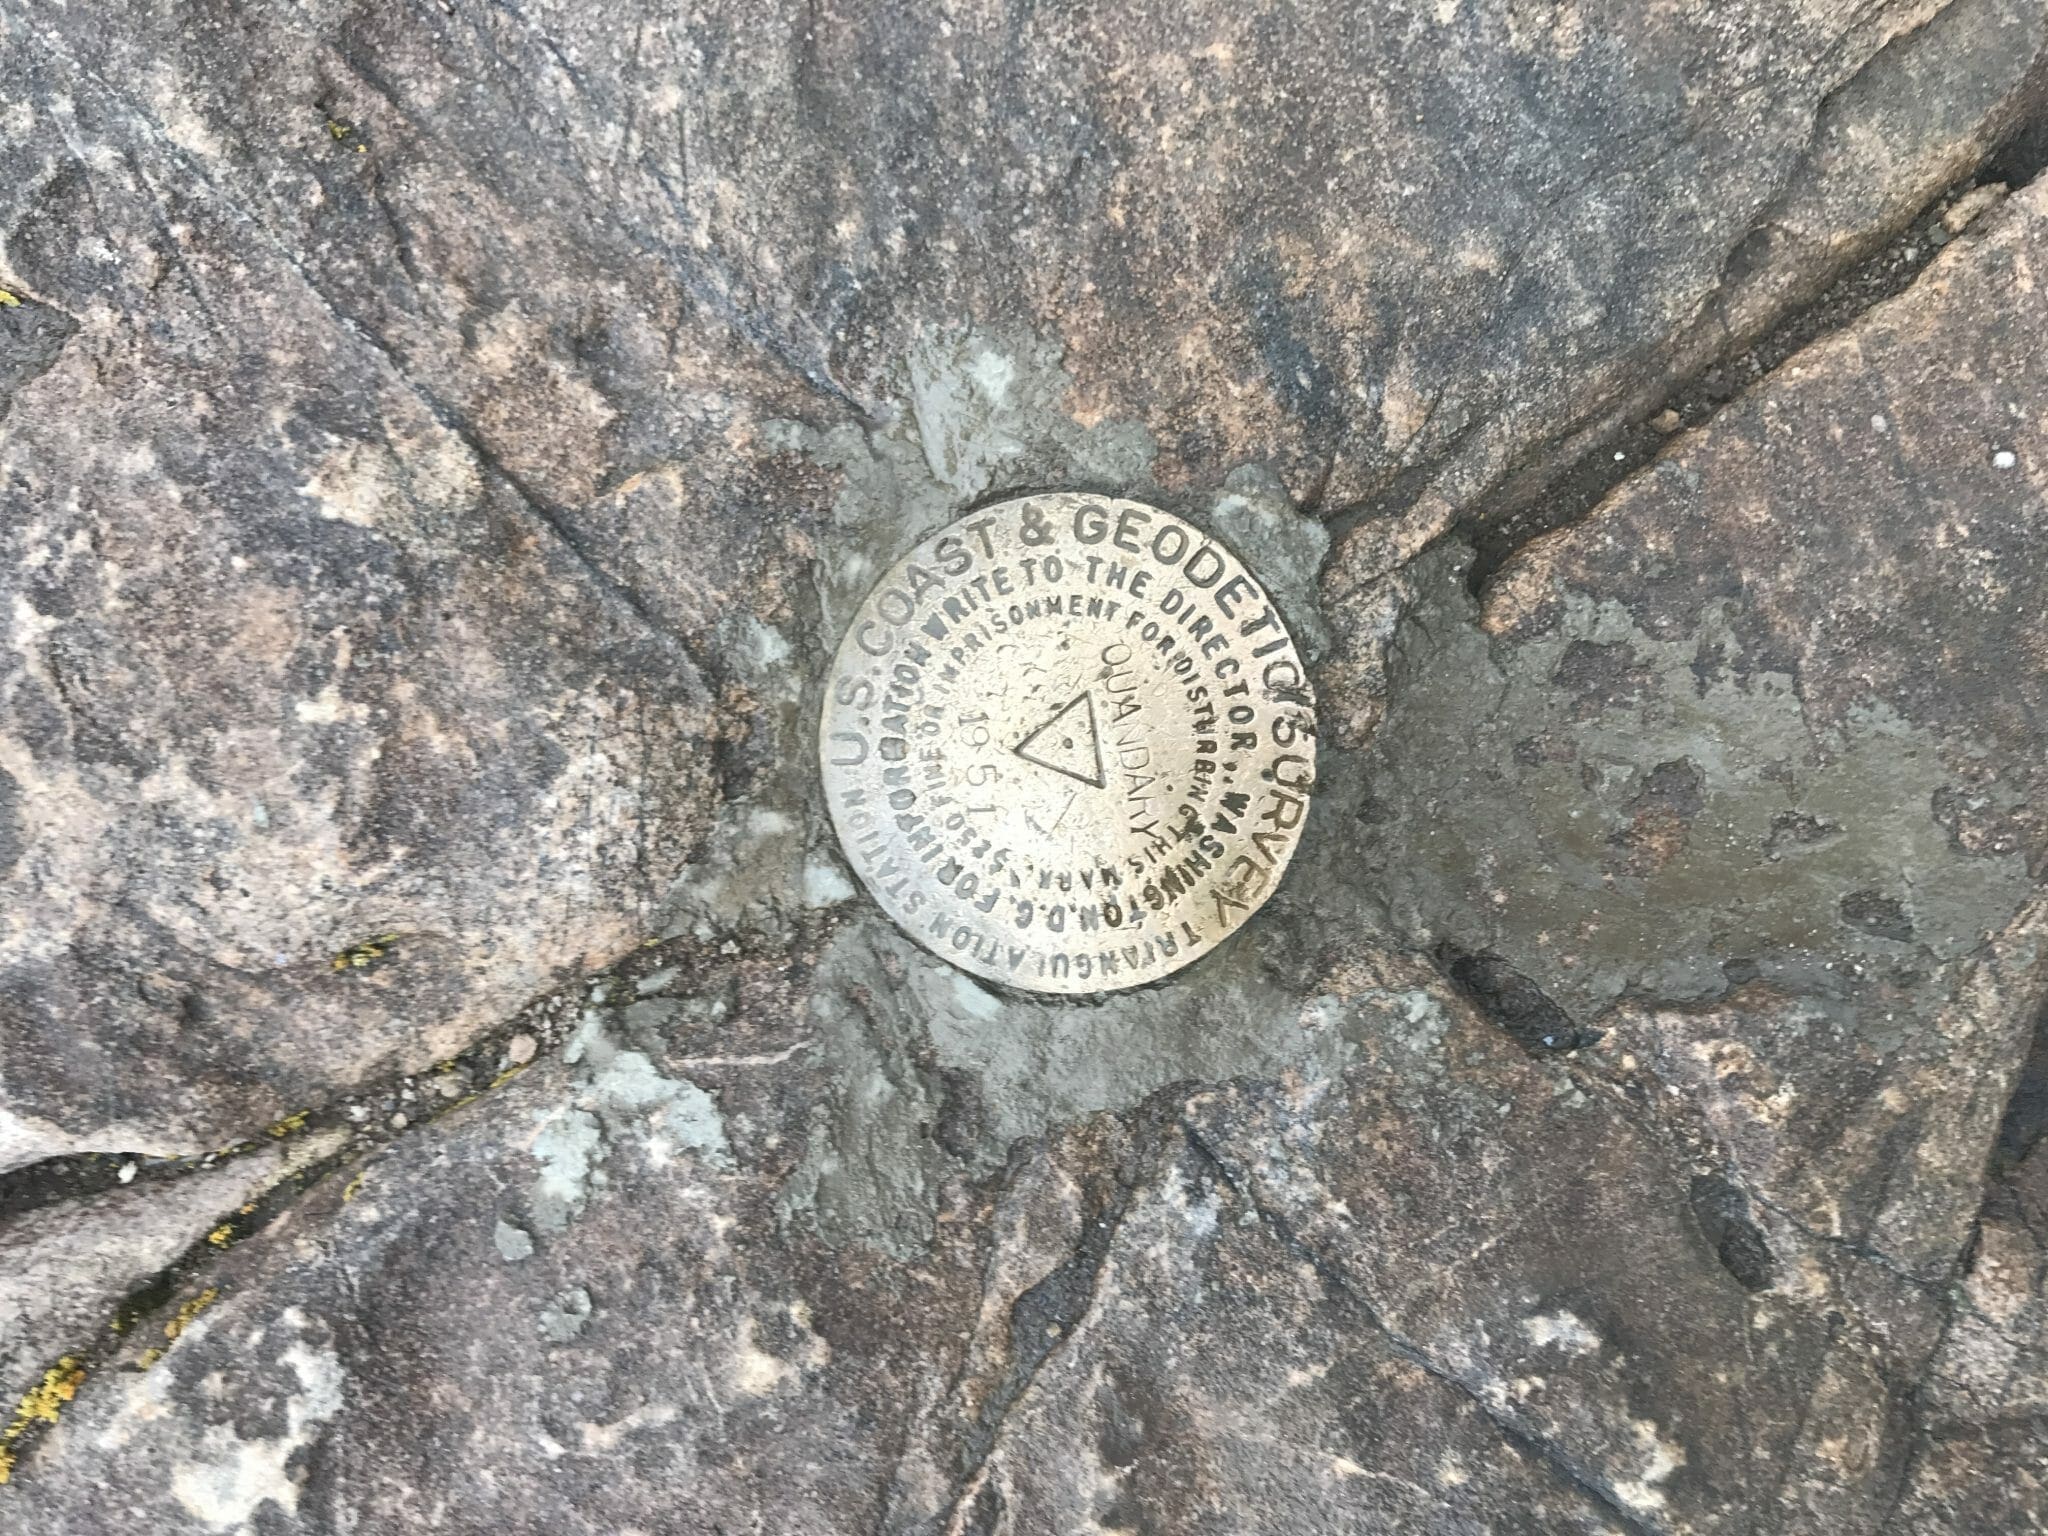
{"points": [[442, 446]]}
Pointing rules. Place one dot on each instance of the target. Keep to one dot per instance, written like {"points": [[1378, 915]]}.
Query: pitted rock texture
{"points": [[404, 402], [443, 445]]}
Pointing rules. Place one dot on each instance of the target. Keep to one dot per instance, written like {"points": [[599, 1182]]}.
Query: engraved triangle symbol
{"points": [[1067, 742]]}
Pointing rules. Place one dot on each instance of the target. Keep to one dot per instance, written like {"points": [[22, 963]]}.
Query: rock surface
{"points": [[453, 417], [443, 445], [71, 1271]]}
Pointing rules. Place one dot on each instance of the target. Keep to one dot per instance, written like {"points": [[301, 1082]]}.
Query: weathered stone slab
{"points": [[68, 1269], [446, 450], [405, 546]]}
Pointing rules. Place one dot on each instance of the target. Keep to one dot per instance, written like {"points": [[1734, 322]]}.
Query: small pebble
{"points": [[1879, 425], [126, 1172], [1667, 421], [449, 1086], [520, 1049], [2005, 458], [399, 1122], [655, 982]]}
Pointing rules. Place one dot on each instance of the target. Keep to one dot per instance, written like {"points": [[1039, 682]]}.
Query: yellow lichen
{"points": [[290, 1123], [182, 1319], [222, 1235], [149, 1357], [367, 953], [59, 1385], [355, 1187], [41, 1405], [338, 130], [11, 302], [508, 1074]]}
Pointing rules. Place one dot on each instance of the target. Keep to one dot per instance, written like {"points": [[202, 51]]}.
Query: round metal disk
{"points": [[1068, 743]]}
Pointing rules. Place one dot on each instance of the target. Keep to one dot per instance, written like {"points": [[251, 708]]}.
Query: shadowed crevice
{"points": [[2025, 1121], [32, 338], [1521, 511], [1514, 1002]]}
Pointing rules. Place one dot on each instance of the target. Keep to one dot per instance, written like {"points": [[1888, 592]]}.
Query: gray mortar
{"points": [[1438, 833], [981, 414], [1032, 1064], [1472, 842], [1282, 546], [934, 1067]]}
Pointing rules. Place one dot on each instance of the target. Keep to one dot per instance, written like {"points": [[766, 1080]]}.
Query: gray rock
{"points": [[513, 1243], [445, 453], [72, 1273], [457, 342]]}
